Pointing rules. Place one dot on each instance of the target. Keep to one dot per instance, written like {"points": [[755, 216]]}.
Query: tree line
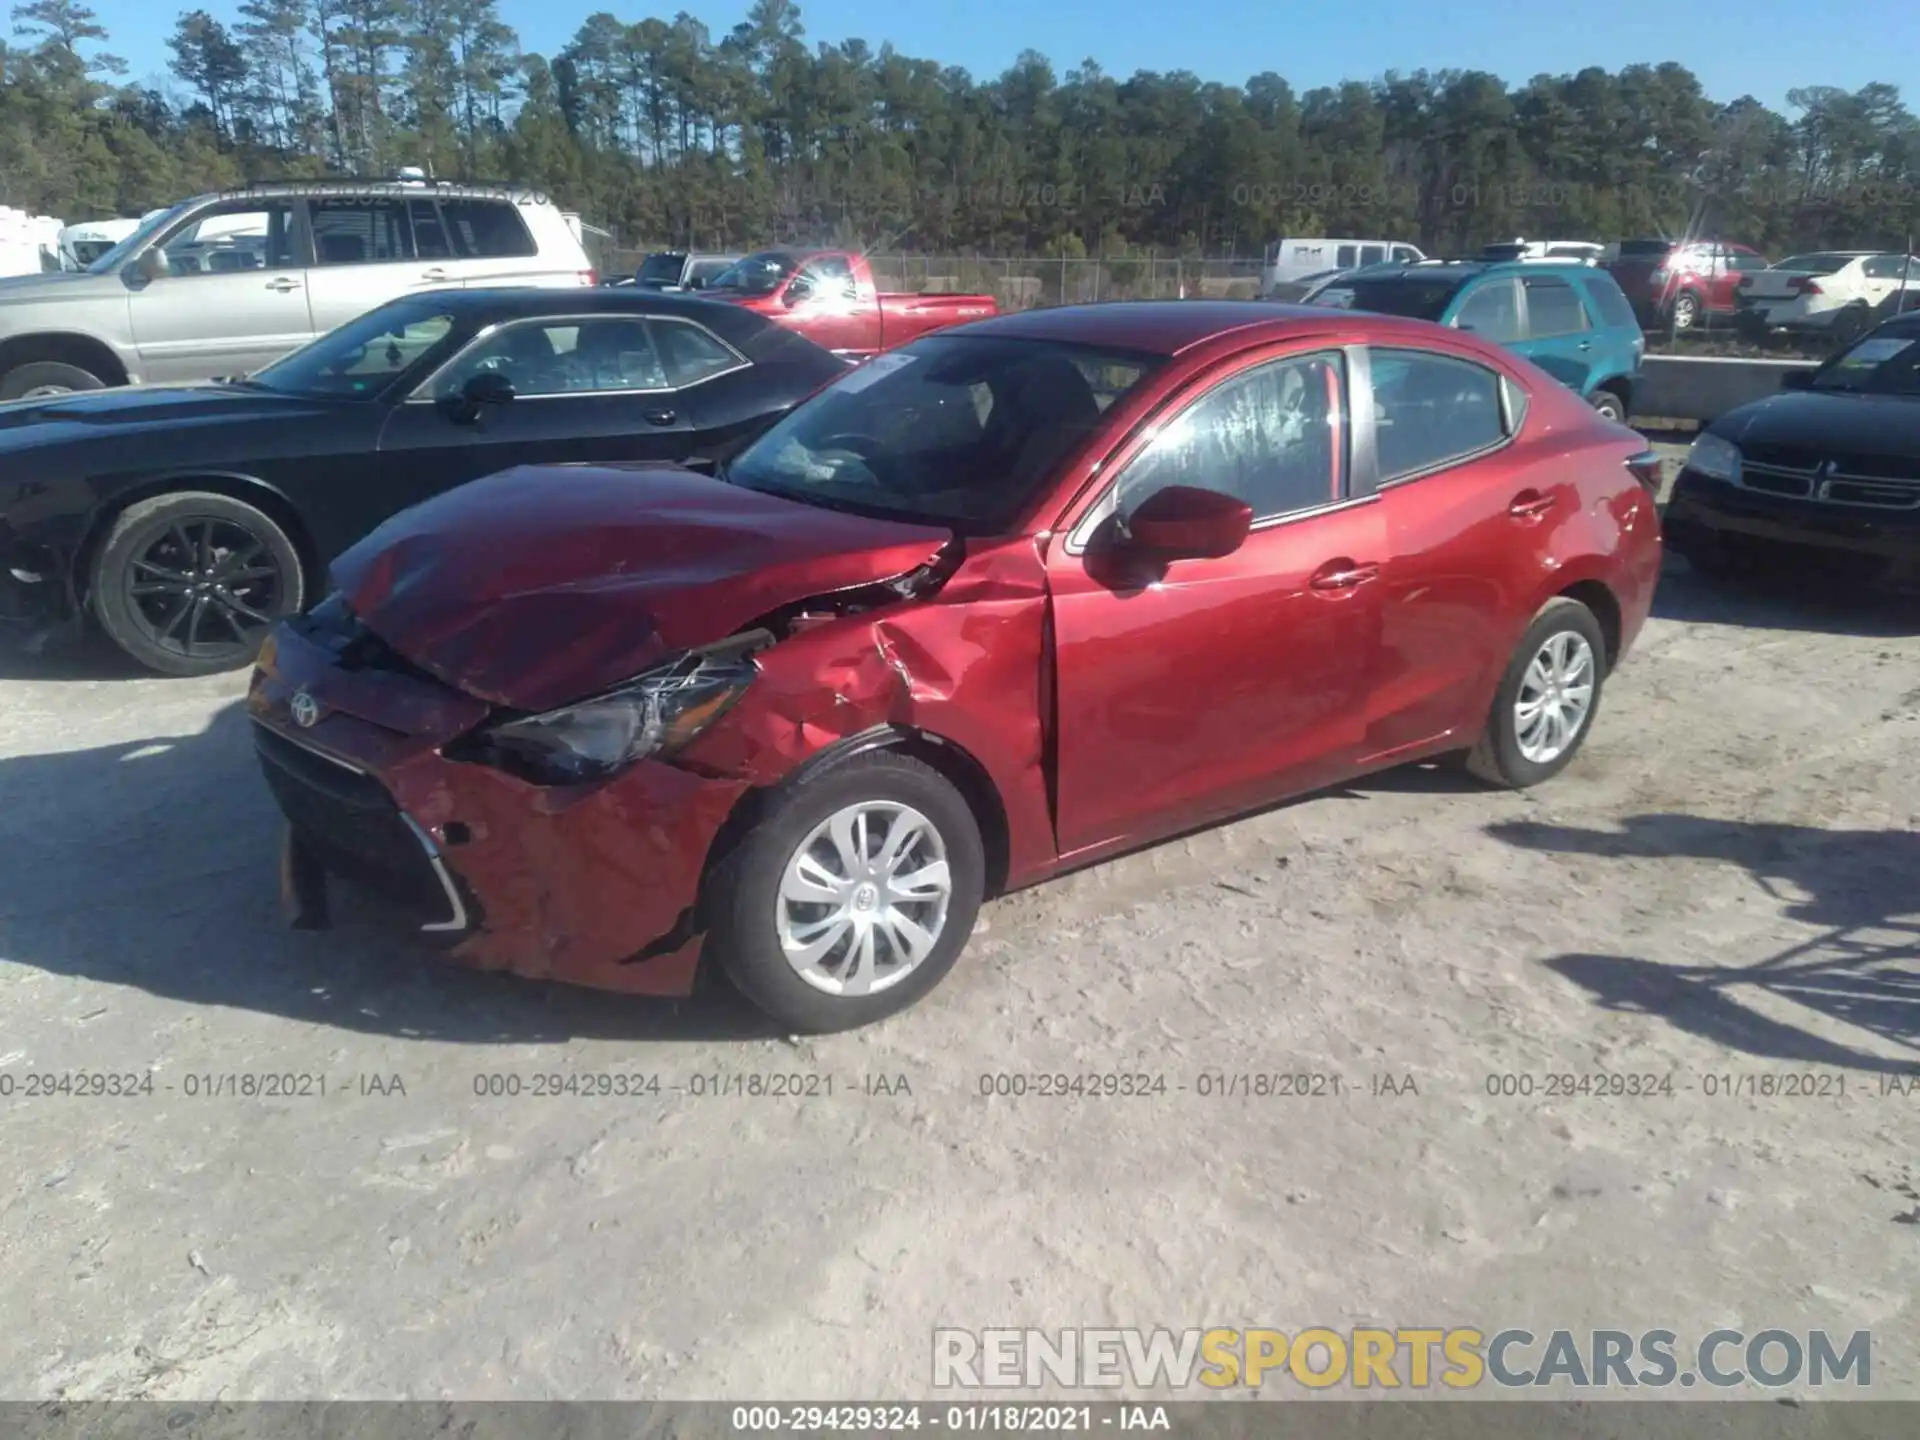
{"points": [[665, 132]]}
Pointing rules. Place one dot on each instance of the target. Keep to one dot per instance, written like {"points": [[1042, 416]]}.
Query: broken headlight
{"points": [[654, 714]]}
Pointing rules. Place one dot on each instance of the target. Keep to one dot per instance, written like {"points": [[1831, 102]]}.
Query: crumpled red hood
{"points": [[545, 584]]}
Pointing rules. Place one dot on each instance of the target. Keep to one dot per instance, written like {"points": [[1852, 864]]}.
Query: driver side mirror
{"points": [[1184, 522], [489, 387], [1797, 380]]}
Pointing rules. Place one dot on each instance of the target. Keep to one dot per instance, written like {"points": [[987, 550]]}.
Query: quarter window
{"points": [[689, 353], [1272, 436], [1491, 310], [487, 230], [571, 357], [1553, 309], [1431, 411]]}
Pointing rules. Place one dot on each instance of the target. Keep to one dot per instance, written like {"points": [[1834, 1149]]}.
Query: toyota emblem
{"points": [[305, 710]]}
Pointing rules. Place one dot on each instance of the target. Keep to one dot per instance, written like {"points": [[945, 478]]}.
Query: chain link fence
{"points": [[1023, 283]]}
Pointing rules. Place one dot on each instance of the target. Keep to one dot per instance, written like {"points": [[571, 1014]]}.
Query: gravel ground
{"points": [[1722, 886]]}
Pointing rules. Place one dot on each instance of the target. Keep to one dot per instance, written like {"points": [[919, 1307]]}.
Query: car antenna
{"points": [[1906, 272]]}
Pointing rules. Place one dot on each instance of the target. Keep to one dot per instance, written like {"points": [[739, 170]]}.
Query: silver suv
{"points": [[225, 284]]}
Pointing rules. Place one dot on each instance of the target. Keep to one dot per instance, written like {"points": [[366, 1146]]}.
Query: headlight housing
{"points": [[1715, 458], [654, 714]]}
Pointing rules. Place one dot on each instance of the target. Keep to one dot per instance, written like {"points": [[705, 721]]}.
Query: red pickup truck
{"points": [[829, 297]]}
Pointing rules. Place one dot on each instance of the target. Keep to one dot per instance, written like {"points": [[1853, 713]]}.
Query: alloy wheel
{"points": [[864, 898], [205, 589], [1556, 696]]}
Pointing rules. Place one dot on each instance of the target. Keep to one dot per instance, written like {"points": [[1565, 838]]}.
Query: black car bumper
{"points": [[1709, 516]]}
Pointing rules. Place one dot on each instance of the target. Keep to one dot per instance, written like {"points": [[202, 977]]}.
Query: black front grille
{"points": [[1769, 482], [351, 822]]}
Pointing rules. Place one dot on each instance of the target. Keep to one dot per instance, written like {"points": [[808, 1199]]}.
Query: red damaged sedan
{"points": [[1017, 597]]}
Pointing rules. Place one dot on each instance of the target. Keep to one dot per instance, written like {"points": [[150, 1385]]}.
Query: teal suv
{"points": [[1573, 321]]}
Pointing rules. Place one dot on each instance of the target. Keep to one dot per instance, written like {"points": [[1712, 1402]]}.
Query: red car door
{"points": [[1190, 690], [832, 309], [1465, 527]]}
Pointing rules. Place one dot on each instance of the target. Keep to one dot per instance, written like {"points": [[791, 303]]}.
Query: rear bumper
{"points": [[586, 885], [1704, 514]]}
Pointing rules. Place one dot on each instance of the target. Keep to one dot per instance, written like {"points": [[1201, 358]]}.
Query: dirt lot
{"points": [[1723, 886]]}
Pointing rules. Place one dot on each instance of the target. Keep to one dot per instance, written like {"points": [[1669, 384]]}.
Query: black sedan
{"points": [[1825, 475], [184, 519]]}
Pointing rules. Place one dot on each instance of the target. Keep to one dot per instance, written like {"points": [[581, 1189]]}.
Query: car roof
{"points": [[1172, 327], [493, 304]]}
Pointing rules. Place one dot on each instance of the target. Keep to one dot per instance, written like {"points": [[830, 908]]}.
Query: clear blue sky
{"points": [[1758, 47]]}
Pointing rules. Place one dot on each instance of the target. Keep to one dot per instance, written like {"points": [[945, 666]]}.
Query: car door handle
{"points": [[283, 284], [434, 274], [661, 417], [1342, 574], [1586, 344], [1530, 505]]}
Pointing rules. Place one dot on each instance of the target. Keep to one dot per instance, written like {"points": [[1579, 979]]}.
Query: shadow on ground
{"points": [[1863, 968], [155, 865], [1783, 602]]}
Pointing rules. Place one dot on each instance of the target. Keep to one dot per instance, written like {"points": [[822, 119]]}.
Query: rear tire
{"points": [[1851, 324], [1563, 646], [1686, 311], [790, 852], [1610, 405], [172, 555], [46, 378]]}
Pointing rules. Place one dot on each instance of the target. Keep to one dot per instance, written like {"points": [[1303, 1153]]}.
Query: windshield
{"points": [[1416, 299], [963, 431], [1817, 264], [114, 258], [760, 274], [1885, 363], [662, 269], [364, 356]]}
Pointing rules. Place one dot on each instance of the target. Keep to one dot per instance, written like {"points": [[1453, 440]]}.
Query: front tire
{"points": [[853, 898], [1686, 311], [1546, 701], [189, 583], [40, 379]]}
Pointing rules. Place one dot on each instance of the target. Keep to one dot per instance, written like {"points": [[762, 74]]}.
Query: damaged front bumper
{"points": [[593, 885]]}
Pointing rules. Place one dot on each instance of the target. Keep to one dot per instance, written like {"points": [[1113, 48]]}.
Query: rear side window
{"points": [[1345, 257], [488, 230], [360, 232], [1610, 301], [1553, 309], [1431, 411], [689, 353], [1745, 260]]}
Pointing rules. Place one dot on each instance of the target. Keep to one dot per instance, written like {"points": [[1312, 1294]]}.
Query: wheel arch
{"points": [[953, 762], [1599, 598], [235, 485], [64, 347]]}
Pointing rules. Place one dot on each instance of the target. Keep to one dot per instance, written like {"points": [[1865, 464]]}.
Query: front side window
{"points": [[964, 431], [1272, 436], [1886, 362], [1553, 309], [1491, 310], [563, 357], [360, 232], [1432, 410], [830, 278], [364, 356], [231, 238]]}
